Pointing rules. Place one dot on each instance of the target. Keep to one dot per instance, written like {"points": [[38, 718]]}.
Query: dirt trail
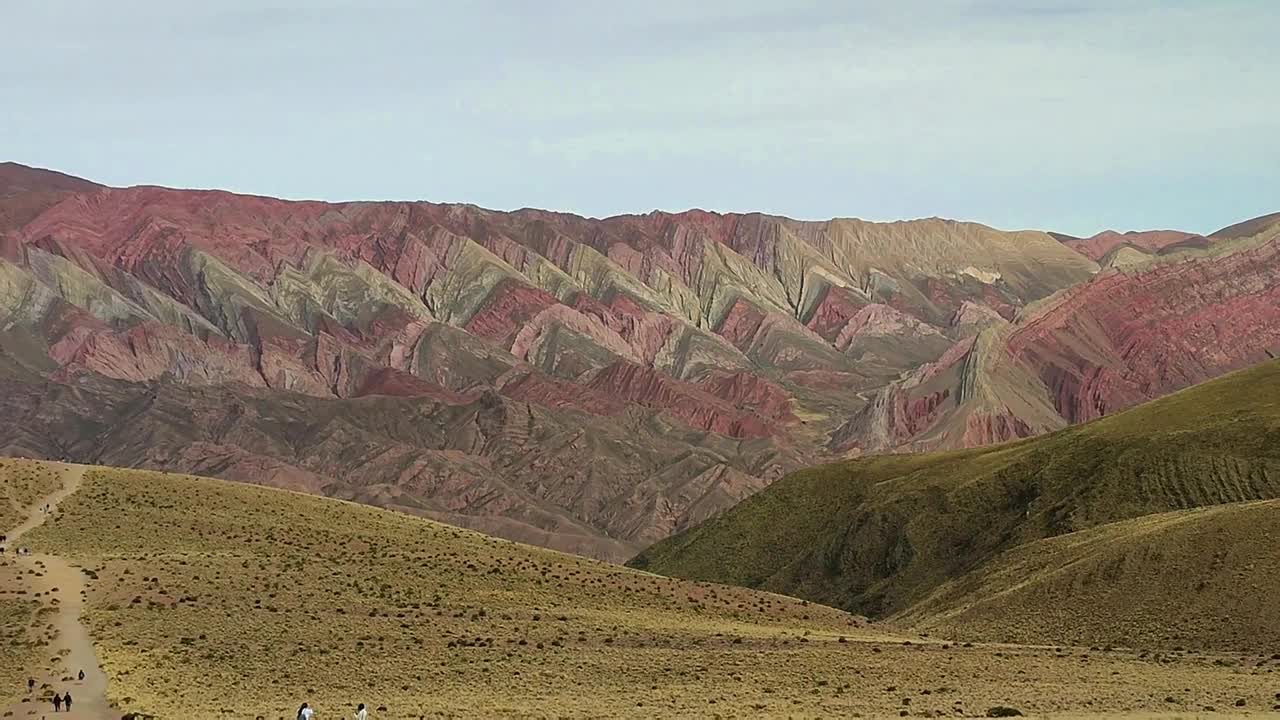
{"points": [[60, 586]]}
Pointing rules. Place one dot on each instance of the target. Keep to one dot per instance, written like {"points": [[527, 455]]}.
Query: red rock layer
{"points": [[1126, 338], [986, 428], [753, 393], [1151, 241], [388, 381], [510, 307], [741, 323], [834, 310], [684, 401], [550, 392]]}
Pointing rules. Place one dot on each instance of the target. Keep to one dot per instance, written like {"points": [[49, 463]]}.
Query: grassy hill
{"points": [[882, 534], [1202, 578], [213, 599]]}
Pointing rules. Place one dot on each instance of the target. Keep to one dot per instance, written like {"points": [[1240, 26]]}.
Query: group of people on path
{"points": [[59, 701], [306, 713], [20, 551]]}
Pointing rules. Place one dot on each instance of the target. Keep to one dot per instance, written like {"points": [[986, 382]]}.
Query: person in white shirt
{"points": [[305, 713], [361, 713]]}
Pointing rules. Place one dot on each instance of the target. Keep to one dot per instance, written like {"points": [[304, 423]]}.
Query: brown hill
{"points": [[1248, 228], [25, 192]]}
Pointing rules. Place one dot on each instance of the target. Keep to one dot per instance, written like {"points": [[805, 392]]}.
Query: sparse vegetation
{"points": [[225, 598], [879, 535], [24, 483]]}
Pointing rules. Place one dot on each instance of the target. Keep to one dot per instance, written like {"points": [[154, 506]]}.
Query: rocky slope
{"points": [[586, 384], [1124, 337]]}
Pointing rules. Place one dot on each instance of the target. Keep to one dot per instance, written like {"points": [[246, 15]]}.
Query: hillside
{"points": [[206, 598], [1105, 247], [1200, 578], [884, 534], [588, 385]]}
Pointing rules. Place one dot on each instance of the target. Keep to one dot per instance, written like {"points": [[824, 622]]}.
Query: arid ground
{"points": [[213, 599]]}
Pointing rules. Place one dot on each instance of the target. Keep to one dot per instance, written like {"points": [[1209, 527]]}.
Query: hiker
{"points": [[31, 684], [305, 713], [361, 713], [57, 702], [81, 676], [67, 701]]}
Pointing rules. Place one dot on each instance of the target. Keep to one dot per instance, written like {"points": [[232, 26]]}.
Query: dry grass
{"points": [[213, 599], [25, 481], [879, 534], [1206, 578], [24, 631], [20, 643]]}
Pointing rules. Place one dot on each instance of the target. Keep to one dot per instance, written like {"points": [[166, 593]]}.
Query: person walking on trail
{"points": [[305, 713], [361, 713], [31, 684], [81, 676], [67, 701], [57, 702]]}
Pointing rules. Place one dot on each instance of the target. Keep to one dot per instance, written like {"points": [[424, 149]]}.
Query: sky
{"points": [[1064, 115]]}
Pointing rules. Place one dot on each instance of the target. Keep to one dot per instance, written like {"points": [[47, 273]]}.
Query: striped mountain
{"points": [[590, 385]]}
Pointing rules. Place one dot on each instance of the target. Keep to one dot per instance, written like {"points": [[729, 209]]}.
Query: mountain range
{"points": [[589, 385]]}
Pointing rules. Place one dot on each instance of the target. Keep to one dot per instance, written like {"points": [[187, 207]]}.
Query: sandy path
{"points": [[61, 586]]}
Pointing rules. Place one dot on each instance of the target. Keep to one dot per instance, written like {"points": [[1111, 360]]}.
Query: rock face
{"points": [[591, 385], [1128, 337], [1107, 344]]}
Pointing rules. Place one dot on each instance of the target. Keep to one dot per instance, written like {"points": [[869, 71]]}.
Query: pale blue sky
{"points": [[1059, 114]]}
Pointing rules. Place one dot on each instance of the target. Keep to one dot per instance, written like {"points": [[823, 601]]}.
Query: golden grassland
{"points": [[213, 599], [1200, 578], [25, 482], [19, 645]]}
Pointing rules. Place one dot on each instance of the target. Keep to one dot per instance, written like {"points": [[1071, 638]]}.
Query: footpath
{"points": [[60, 587]]}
